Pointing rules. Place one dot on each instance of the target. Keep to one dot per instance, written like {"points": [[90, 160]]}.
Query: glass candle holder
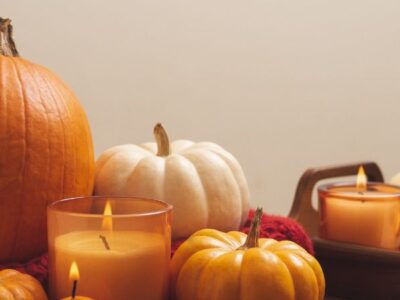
{"points": [[369, 217], [120, 245]]}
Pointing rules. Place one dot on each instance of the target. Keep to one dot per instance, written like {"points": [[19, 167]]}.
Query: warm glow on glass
{"points": [[361, 179], [107, 220], [74, 272], [129, 262]]}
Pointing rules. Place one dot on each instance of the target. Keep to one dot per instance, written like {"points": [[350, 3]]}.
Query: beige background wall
{"points": [[283, 85]]}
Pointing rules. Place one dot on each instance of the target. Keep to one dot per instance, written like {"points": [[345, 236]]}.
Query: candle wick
{"points": [[74, 286], [106, 245]]}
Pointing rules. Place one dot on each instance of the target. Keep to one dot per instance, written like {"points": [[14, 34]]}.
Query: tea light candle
{"points": [[363, 213], [74, 277]]}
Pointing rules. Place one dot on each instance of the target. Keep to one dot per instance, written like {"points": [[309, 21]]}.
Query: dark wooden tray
{"points": [[351, 271]]}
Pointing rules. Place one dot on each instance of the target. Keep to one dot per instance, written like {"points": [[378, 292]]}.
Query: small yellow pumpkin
{"points": [[204, 183], [17, 286], [213, 265]]}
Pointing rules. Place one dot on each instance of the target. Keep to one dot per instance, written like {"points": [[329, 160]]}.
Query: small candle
{"points": [[74, 278], [363, 213]]}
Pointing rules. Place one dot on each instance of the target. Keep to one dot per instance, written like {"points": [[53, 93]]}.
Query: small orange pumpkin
{"points": [[213, 265], [16, 286], [46, 150]]}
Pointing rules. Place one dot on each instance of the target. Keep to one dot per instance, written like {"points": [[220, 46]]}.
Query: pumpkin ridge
{"points": [[105, 158], [203, 187], [181, 149], [152, 161], [225, 238], [99, 166], [72, 140], [50, 88], [270, 256], [285, 257], [110, 156], [77, 107], [237, 236], [3, 92], [22, 199], [4, 102], [25, 291], [226, 253], [202, 196], [228, 158], [213, 199], [62, 91], [28, 66], [188, 264], [148, 151], [316, 268]]}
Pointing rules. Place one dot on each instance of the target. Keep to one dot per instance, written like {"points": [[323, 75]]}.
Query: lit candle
{"points": [[113, 264], [74, 278], [363, 213]]}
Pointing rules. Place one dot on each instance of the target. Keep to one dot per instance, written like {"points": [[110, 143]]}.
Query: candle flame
{"points": [[107, 220], [74, 272], [361, 179]]}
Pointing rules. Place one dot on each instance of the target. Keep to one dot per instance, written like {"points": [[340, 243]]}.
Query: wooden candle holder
{"points": [[351, 271]]}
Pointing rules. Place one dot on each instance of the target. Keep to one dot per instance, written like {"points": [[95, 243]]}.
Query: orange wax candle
{"points": [[366, 214], [121, 246], [134, 262]]}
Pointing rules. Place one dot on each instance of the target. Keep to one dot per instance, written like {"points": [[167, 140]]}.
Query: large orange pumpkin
{"points": [[46, 150]]}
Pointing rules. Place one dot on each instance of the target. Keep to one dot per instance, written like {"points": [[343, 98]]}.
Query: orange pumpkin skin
{"points": [[15, 285], [211, 265], [46, 153]]}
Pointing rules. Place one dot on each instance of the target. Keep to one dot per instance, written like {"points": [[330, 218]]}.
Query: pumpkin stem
{"points": [[7, 45], [162, 140], [254, 232]]}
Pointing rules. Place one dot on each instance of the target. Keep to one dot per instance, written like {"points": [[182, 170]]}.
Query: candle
{"points": [[362, 213], [114, 263], [135, 265], [74, 278]]}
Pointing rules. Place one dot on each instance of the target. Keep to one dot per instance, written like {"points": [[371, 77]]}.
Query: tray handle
{"points": [[302, 209]]}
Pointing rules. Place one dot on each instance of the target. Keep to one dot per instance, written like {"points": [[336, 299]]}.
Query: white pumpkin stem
{"points": [[7, 45], [254, 232], [162, 140]]}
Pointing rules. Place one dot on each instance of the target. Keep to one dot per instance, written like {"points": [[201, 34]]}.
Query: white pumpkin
{"points": [[204, 183], [395, 179]]}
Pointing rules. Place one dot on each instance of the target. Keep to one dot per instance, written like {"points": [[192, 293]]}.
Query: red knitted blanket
{"points": [[276, 227]]}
